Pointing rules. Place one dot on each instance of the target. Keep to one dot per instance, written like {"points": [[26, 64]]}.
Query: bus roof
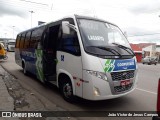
{"points": [[72, 16], [93, 18]]}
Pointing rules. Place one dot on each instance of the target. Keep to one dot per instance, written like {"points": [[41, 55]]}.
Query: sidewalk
{"points": [[17, 97], [6, 101]]}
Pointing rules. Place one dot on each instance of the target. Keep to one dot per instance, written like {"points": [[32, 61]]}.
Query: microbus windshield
{"points": [[103, 38]]}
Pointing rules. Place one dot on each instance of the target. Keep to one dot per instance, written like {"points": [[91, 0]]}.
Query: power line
{"points": [[34, 2], [21, 5], [144, 34]]}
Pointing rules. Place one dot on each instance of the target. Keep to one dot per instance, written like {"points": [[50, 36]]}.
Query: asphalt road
{"points": [[141, 99]]}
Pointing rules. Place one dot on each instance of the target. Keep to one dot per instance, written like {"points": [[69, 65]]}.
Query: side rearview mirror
{"points": [[65, 27]]}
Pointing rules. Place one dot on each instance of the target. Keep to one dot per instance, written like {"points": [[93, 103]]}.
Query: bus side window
{"points": [[36, 37], [17, 41], [27, 40], [70, 43], [33, 39], [22, 40], [0, 46]]}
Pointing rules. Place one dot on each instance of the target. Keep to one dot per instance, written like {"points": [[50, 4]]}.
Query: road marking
{"points": [[146, 91]]}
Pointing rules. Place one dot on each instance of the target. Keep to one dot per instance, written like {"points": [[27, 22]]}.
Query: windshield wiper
{"points": [[111, 50], [124, 48], [108, 49]]}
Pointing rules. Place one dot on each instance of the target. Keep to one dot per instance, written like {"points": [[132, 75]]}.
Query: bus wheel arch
{"points": [[66, 87]]}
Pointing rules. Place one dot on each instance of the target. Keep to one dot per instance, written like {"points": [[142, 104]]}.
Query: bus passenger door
{"points": [[49, 53]]}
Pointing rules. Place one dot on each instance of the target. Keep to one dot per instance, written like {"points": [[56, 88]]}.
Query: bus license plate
{"points": [[125, 82]]}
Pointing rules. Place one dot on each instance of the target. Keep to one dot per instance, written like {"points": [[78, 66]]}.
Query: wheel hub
{"points": [[67, 90]]}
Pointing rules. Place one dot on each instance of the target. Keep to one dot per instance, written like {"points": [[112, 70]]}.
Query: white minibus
{"points": [[83, 56]]}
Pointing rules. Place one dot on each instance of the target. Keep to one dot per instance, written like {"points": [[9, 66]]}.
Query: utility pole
{"points": [[5, 34], [31, 17], [5, 40], [13, 31]]}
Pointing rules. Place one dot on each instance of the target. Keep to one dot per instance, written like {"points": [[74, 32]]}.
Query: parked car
{"points": [[150, 60], [158, 103]]}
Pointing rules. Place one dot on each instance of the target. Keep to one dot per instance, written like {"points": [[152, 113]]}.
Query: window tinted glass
{"points": [[22, 40], [27, 40], [36, 37], [33, 39], [17, 41], [70, 43]]}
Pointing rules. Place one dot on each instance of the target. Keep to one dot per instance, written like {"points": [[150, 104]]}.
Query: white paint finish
{"points": [[71, 66], [87, 87], [91, 62]]}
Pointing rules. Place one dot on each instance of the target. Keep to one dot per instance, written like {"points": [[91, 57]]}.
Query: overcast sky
{"points": [[139, 18]]}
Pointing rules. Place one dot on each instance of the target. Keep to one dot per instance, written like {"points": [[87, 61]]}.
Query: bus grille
{"points": [[122, 88], [117, 76]]}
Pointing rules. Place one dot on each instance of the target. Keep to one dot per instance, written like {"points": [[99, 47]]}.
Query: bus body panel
{"points": [[28, 55], [91, 83], [73, 65], [106, 88], [18, 59], [62, 71]]}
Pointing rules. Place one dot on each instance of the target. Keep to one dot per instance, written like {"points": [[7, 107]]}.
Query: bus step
{"points": [[52, 78]]}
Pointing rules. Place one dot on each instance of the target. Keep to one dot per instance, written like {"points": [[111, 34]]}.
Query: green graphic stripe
{"points": [[107, 62], [109, 65], [113, 66], [105, 69], [56, 60], [110, 61], [39, 65]]}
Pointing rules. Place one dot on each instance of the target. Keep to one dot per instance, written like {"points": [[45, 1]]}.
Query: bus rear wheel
{"points": [[24, 68], [67, 90]]}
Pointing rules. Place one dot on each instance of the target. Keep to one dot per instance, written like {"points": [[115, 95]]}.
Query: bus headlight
{"points": [[98, 74], [96, 91]]}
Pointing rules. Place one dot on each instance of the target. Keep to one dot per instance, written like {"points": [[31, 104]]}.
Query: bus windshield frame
{"points": [[102, 38]]}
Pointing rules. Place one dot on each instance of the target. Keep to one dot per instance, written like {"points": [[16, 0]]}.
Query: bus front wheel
{"points": [[67, 90]]}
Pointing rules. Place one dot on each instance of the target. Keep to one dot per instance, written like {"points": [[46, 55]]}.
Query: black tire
{"points": [[66, 89], [143, 62], [5, 57], [24, 68], [155, 118]]}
